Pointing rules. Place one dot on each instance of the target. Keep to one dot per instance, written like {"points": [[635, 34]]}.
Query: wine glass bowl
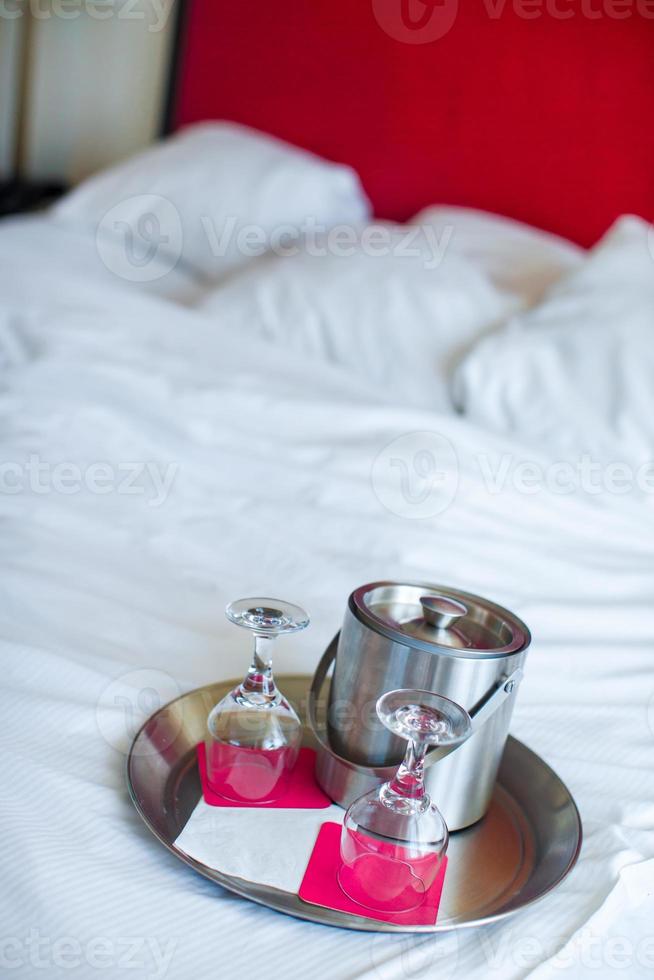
{"points": [[394, 838], [253, 734]]}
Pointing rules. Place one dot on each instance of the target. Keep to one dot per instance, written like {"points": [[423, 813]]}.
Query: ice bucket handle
{"points": [[480, 713]]}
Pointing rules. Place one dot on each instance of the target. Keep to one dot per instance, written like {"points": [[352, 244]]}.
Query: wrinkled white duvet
{"points": [[151, 471]]}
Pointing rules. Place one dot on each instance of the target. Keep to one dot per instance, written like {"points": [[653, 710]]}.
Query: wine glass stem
{"points": [[260, 678], [408, 781]]}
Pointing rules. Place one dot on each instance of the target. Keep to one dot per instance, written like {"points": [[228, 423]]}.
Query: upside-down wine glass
{"points": [[254, 734], [394, 838]]}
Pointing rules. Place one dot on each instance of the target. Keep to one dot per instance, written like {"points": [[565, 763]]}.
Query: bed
{"points": [[166, 448]]}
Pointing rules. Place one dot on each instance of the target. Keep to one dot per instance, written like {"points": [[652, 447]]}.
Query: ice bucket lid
{"points": [[437, 617]]}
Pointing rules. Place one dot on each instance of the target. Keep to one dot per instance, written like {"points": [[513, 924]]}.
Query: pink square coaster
{"points": [[303, 792], [320, 884]]}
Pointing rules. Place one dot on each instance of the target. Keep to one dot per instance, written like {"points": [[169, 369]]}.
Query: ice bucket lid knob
{"points": [[441, 612]]}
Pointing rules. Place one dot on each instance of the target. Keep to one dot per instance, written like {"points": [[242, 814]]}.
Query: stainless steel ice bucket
{"points": [[419, 636]]}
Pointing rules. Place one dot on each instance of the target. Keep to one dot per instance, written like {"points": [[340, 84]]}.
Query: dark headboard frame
{"points": [[180, 15]]}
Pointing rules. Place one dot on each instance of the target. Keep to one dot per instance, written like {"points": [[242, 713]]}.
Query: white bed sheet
{"points": [[110, 604]]}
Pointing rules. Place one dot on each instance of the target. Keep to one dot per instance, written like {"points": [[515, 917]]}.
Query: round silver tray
{"points": [[525, 845]]}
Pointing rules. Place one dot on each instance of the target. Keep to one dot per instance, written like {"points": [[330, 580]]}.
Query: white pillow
{"points": [[213, 195], [517, 257], [576, 373], [385, 304]]}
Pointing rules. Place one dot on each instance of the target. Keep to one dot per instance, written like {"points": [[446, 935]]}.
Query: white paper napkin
{"points": [[267, 846]]}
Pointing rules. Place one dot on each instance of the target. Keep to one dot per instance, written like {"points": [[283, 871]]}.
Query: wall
{"points": [[96, 85]]}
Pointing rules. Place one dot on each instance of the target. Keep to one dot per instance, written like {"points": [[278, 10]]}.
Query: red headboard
{"points": [[538, 109]]}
